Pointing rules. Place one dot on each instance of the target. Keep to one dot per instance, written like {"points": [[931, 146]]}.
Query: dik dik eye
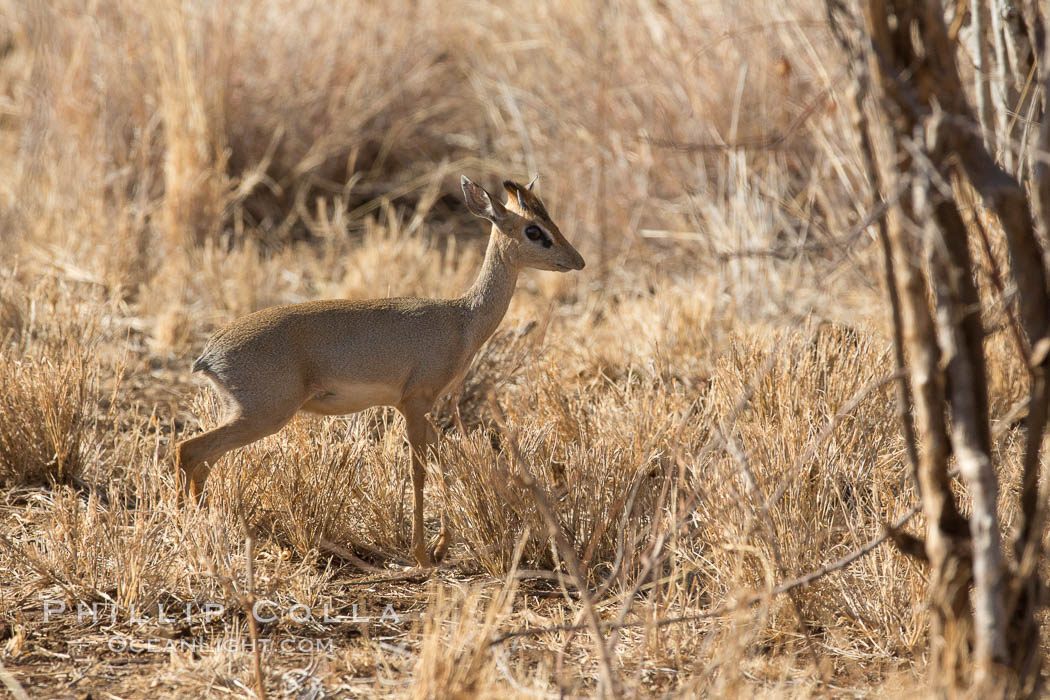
{"points": [[535, 233]]}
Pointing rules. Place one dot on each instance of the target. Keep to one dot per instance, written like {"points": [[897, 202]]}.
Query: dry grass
{"points": [[171, 168]]}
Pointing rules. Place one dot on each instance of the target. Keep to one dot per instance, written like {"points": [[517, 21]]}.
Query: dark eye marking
{"points": [[535, 233]]}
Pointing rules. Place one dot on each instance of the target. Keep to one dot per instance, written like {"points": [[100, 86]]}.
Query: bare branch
{"points": [[253, 626], [982, 91], [961, 339]]}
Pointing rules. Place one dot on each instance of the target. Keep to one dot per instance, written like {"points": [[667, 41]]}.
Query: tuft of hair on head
{"points": [[514, 190], [524, 200], [523, 194]]}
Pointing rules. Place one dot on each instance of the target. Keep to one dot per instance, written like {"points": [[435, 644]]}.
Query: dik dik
{"points": [[337, 357]]}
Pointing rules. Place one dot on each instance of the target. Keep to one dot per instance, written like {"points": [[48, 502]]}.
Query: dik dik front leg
{"points": [[420, 438]]}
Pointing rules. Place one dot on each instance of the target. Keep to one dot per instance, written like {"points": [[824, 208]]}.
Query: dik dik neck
{"points": [[490, 295]]}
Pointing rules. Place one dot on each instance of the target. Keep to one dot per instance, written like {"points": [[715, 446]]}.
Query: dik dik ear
{"points": [[480, 203]]}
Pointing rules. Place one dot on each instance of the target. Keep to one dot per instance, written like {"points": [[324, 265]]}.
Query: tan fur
{"points": [[336, 357]]}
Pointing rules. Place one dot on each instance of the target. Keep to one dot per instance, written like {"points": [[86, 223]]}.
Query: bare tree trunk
{"points": [[984, 625]]}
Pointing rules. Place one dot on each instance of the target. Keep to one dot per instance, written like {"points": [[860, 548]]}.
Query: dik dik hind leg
{"points": [[420, 438], [196, 455]]}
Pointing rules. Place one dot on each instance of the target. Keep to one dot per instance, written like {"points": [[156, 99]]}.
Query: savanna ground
{"points": [[707, 407]]}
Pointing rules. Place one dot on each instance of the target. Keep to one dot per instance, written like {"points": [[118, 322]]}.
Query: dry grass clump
{"points": [[600, 491], [51, 382], [394, 259], [45, 404], [95, 548], [808, 494]]}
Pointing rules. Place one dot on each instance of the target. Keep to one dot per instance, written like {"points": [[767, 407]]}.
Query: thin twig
{"points": [[253, 629], [1016, 332], [861, 126], [346, 554]]}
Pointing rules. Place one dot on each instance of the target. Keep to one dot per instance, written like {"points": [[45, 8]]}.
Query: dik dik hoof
{"points": [[441, 543], [185, 497], [423, 558], [188, 489]]}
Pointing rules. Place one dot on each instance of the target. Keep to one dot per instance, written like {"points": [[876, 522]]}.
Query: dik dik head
{"points": [[528, 234]]}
